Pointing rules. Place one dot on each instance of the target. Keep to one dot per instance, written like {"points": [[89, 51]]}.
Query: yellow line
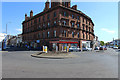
{"points": [[3, 51]]}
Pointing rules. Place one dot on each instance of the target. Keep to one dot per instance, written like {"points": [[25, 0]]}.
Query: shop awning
{"points": [[71, 42]]}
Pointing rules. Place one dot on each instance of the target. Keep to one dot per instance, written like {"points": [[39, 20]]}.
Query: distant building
{"points": [[61, 25], [115, 42], [5, 40], [15, 40]]}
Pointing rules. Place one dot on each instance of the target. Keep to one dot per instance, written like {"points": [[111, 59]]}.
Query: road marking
{"points": [[3, 51]]}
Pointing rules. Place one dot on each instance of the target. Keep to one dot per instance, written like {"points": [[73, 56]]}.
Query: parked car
{"points": [[96, 48], [84, 49], [111, 46], [89, 49], [115, 47], [101, 48], [105, 48], [74, 48]]}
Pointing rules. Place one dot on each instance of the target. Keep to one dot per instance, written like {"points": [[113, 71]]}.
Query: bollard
{"points": [[45, 49]]}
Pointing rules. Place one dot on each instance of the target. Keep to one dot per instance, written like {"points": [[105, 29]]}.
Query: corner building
{"points": [[59, 25]]}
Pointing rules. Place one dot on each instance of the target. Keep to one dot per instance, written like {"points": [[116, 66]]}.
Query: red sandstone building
{"points": [[59, 25]]}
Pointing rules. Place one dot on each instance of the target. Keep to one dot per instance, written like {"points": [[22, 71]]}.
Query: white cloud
{"points": [[19, 30], [108, 31]]}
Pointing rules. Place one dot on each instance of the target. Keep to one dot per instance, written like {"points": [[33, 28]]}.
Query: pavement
{"points": [[91, 64]]}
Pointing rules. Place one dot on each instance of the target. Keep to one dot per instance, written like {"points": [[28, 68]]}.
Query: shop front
{"points": [[62, 45]]}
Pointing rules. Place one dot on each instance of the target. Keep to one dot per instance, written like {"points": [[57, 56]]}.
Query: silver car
{"points": [[74, 48]]}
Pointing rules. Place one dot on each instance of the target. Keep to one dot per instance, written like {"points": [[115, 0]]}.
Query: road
{"points": [[19, 64]]}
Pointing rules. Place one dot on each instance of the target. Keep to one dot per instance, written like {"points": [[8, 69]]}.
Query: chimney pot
{"points": [[31, 13]]}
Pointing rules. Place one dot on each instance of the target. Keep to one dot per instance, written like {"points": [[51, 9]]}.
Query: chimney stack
{"points": [[69, 1], [47, 5], [74, 7], [56, 3], [31, 13]]}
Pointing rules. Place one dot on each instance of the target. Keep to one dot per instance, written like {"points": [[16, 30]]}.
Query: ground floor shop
{"points": [[60, 45]]}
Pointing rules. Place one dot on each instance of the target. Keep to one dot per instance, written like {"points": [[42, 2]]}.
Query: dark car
{"points": [[105, 48], [101, 48], [96, 48]]}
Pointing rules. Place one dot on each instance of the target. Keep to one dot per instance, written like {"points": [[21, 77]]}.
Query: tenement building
{"points": [[59, 25]]}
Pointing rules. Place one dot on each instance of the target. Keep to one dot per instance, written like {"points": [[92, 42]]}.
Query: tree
{"points": [[102, 43]]}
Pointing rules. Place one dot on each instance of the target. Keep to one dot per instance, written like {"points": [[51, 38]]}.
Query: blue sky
{"points": [[103, 14]]}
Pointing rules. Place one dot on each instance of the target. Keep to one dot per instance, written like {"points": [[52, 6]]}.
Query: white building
{"points": [[116, 42], [15, 40], [2, 36]]}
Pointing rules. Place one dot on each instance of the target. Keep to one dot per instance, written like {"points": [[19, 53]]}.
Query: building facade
{"points": [[15, 41], [59, 25]]}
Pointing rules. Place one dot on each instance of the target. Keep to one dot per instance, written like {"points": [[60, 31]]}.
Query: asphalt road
{"points": [[19, 64]]}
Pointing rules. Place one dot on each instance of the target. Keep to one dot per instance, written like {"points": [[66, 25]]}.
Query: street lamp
{"points": [[6, 26]]}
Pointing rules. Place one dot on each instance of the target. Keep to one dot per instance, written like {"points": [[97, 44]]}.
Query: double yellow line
{"points": [[3, 51]]}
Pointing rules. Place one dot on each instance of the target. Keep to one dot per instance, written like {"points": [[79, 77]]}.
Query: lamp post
{"points": [[6, 27]]}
